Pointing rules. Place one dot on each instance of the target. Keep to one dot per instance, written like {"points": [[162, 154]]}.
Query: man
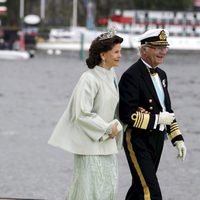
{"points": [[145, 108]]}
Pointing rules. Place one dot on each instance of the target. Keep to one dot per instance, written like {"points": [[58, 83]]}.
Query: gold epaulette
{"points": [[141, 120], [174, 130]]}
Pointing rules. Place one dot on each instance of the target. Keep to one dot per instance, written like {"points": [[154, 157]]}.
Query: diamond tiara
{"points": [[111, 32]]}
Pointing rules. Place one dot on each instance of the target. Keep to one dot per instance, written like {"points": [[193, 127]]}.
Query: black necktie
{"points": [[153, 71]]}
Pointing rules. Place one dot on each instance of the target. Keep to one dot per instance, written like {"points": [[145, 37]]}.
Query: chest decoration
{"points": [[164, 83]]}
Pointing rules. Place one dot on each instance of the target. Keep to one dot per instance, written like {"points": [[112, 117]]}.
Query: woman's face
{"points": [[112, 57]]}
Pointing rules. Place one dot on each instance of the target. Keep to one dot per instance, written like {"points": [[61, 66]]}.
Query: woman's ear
{"points": [[102, 56]]}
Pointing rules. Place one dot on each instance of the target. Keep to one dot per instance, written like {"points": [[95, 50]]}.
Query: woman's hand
{"points": [[115, 131], [142, 110]]}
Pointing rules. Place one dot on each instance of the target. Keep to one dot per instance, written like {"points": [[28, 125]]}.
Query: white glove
{"points": [[166, 118], [181, 149]]}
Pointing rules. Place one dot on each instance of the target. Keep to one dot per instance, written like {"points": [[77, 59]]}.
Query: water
{"points": [[33, 95]]}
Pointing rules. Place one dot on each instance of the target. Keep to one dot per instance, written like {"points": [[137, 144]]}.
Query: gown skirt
{"points": [[95, 177]]}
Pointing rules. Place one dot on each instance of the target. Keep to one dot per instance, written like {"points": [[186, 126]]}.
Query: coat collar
{"points": [[108, 76]]}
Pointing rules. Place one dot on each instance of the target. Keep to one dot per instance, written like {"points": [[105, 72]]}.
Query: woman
{"points": [[88, 127]]}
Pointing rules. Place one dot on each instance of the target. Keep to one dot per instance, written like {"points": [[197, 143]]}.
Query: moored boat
{"points": [[14, 55]]}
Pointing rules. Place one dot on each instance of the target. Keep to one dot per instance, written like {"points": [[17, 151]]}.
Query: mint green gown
{"points": [[94, 178]]}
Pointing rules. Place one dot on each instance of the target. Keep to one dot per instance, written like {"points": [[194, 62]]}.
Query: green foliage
{"points": [[163, 4], [59, 12], [12, 17]]}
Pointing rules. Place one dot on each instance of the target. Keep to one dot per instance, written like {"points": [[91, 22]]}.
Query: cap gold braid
{"points": [[162, 36]]}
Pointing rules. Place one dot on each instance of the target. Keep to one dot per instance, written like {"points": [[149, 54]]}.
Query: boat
{"points": [[131, 41], [16, 50], [14, 55], [71, 38], [74, 38], [183, 27]]}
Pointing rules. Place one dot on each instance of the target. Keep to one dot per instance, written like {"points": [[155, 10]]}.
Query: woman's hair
{"points": [[98, 46]]}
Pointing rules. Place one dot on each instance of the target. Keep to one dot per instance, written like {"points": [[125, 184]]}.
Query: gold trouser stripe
{"points": [[135, 162]]}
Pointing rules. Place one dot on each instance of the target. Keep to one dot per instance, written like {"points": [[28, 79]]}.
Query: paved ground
{"points": [[33, 95]]}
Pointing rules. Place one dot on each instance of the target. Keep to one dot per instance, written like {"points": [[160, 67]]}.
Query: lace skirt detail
{"points": [[94, 178]]}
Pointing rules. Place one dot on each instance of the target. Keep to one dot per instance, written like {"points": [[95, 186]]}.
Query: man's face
{"points": [[154, 55]]}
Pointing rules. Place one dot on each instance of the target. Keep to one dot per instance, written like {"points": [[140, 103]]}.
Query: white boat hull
{"points": [[176, 43], [14, 55], [131, 40]]}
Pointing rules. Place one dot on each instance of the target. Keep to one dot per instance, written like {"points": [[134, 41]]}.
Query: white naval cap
{"points": [[155, 37]]}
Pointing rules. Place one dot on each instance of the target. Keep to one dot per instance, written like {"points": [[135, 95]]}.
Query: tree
{"points": [[59, 12], [12, 17], [163, 4]]}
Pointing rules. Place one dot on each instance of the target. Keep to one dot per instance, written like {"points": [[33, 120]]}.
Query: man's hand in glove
{"points": [[181, 149], [166, 118]]}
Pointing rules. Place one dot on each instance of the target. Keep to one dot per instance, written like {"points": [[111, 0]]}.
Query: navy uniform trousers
{"points": [[143, 154]]}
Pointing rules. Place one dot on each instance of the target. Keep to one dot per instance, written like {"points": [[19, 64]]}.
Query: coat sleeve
{"points": [[85, 117], [174, 133], [129, 90]]}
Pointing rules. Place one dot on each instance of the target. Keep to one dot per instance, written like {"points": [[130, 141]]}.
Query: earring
{"points": [[103, 62]]}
